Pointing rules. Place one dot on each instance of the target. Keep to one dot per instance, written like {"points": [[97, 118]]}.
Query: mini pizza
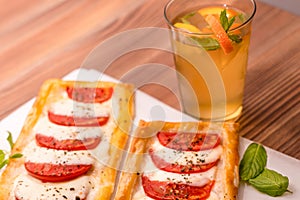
{"points": [[72, 142], [188, 160]]}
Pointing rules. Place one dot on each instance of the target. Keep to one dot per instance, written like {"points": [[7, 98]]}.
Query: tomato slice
{"points": [[47, 172], [77, 121], [68, 144], [170, 191], [89, 95], [177, 168], [188, 141]]}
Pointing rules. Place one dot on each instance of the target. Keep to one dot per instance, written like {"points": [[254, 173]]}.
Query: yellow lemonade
{"points": [[211, 68]]}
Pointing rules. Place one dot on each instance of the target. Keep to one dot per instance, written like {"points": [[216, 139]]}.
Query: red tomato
{"points": [[69, 144], [47, 172], [181, 169], [170, 191], [185, 141], [90, 95], [77, 121]]}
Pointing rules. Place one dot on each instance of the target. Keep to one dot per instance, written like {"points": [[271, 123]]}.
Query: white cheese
{"points": [[69, 107], [36, 154], [72, 108], [28, 188], [195, 179], [186, 157], [47, 128], [182, 158]]}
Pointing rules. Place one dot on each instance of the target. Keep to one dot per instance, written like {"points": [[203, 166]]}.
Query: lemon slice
{"points": [[188, 27]]}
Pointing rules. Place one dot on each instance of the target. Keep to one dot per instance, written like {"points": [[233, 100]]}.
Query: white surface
{"points": [[149, 108]]}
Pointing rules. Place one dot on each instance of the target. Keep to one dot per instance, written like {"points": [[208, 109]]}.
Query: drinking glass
{"points": [[211, 63]]}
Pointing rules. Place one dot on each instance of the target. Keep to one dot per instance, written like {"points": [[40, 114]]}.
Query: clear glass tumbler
{"points": [[210, 40]]}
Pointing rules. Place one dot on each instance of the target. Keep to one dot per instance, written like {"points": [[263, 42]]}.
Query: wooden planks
{"points": [[46, 39], [271, 112]]}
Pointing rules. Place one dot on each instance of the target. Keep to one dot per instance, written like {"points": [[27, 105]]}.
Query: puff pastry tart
{"points": [[71, 142], [188, 160]]}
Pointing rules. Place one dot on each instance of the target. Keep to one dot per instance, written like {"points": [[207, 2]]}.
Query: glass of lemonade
{"points": [[210, 40]]}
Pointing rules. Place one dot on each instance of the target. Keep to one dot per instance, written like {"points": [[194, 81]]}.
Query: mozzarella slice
{"points": [[72, 108], [186, 157], [28, 188], [47, 128], [69, 107], [36, 154], [195, 179]]}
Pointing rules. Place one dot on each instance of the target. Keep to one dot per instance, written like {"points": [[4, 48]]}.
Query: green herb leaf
{"points": [[242, 17], [226, 24], [235, 38], [207, 43], [16, 155], [3, 163], [185, 18], [224, 19], [10, 140], [270, 182], [253, 162], [230, 23], [189, 15], [185, 21], [2, 156]]}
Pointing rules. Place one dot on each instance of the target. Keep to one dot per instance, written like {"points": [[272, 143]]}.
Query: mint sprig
{"points": [[226, 24], [4, 156], [253, 170], [235, 38], [207, 43]]}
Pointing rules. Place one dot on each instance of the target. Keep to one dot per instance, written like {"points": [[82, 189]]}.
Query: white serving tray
{"points": [[149, 108]]}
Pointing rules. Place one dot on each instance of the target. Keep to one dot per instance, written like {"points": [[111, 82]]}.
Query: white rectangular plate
{"points": [[149, 108]]}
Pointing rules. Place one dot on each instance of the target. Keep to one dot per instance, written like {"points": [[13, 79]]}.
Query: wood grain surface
{"points": [[48, 39]]}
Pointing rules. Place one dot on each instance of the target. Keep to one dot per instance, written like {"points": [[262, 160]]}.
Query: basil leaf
{"points": [[2, 156], [3, 163], [253, 162], [10, 140], [207, 43], [16, 155], [270, 182], [235, 38]]}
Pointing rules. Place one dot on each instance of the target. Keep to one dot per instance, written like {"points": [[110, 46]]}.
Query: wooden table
{"points": [[48, 39]]}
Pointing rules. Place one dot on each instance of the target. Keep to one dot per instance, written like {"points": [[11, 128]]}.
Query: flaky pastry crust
{"points": [[227, 178], [49, 92]]}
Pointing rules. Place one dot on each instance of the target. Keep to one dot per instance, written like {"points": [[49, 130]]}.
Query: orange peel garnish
{"points": [[220, 33]]}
